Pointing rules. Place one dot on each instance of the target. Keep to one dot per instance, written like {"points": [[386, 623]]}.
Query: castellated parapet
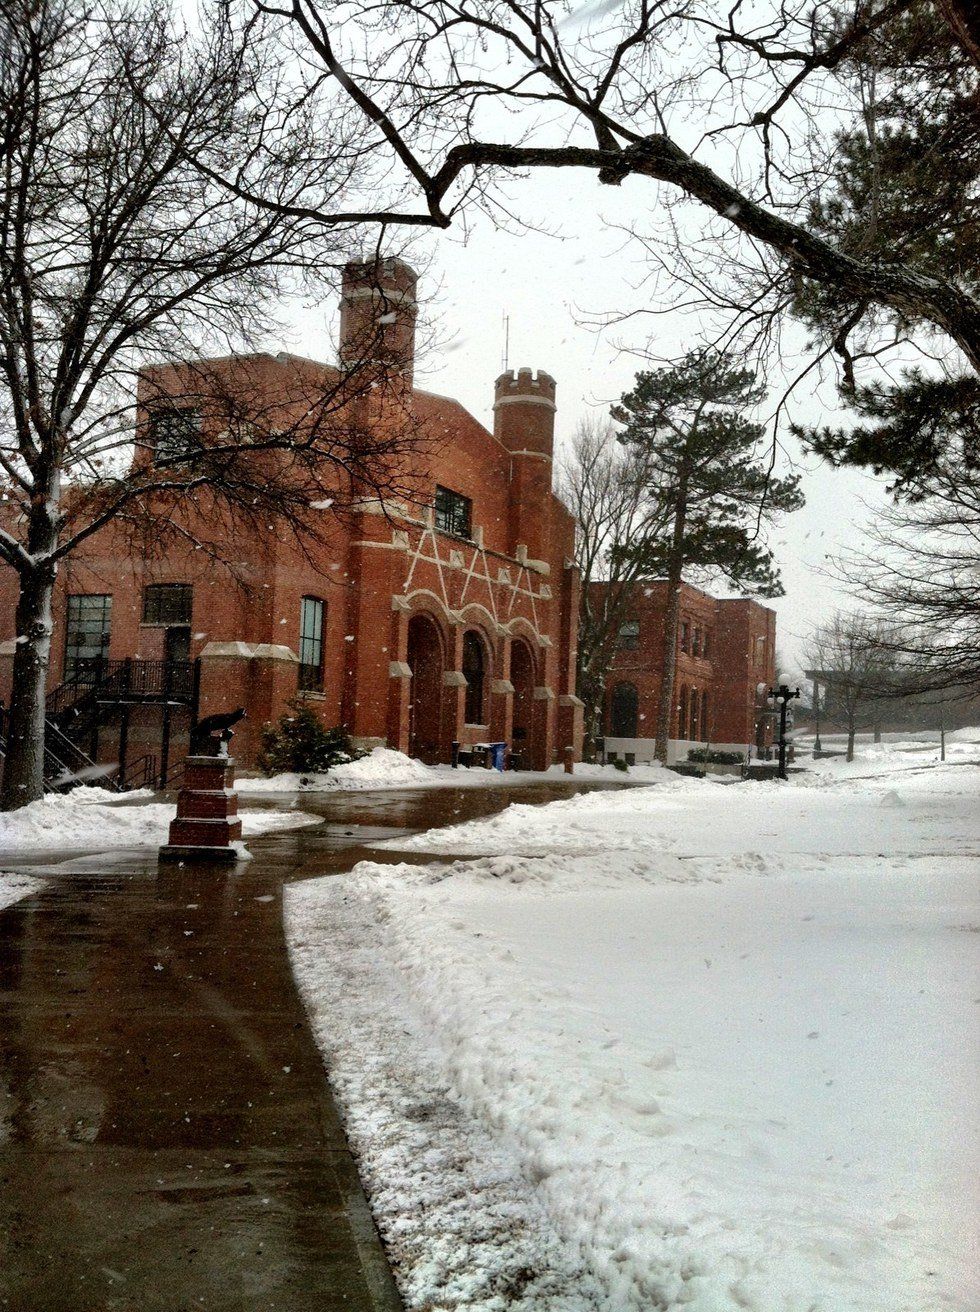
{"points": [[524, 412], [378, 308]]}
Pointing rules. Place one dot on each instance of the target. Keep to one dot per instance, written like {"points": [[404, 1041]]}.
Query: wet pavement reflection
{"points": [[167, 1136]]}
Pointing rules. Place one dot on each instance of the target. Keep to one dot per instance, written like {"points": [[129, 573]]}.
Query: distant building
{"points": [[453, 619], [725, 660]]}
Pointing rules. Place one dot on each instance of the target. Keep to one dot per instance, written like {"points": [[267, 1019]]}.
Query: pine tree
{"points": [[691, 422]]}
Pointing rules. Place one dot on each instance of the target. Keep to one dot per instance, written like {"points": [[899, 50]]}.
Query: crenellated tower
{"points": [[524, 422], [378, 308]]}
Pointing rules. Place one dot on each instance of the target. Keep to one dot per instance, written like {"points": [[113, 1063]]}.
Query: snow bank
{"points": [[722, 1034], [384, 768], [15, 886], [380, 768], [98, 819]]}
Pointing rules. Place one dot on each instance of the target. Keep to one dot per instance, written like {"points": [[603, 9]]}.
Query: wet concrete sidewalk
{"points": [[167, 1136]]}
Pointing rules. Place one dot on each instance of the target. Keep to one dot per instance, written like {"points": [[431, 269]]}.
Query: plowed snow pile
{"points": [[695, 1046]]}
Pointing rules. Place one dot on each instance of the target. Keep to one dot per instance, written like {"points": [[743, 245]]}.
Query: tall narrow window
{"points": [[696, 645], [685, 636], [167, 603], [682, 713], [89, 621], [175, 433], [474, 671], [453, 512], [694, 733], [311, 644]]}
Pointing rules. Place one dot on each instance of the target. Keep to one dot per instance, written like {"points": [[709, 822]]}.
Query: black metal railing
{"points": [[125, 680], [66, 765], [141, 773]]}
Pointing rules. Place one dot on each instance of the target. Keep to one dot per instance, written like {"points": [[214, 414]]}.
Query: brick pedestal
{"points": [[207, 820]]}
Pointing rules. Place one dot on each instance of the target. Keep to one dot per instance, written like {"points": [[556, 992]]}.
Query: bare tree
{"points": [[117, 247], [921, 567], [852, 656], [607, 488], [779, 93]]}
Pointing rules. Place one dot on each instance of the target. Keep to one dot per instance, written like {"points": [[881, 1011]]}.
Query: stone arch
{"points": [[476, 616], [427, 660], [624, 711], [423, 600]]}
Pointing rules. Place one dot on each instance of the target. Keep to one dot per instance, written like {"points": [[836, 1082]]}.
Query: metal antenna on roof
{"points": [[505, 362]]}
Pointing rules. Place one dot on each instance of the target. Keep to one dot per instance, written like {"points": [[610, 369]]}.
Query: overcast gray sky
{"points": [[547, 283]]}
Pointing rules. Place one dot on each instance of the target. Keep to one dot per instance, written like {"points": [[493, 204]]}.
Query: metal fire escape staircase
{"points": [[96, 696]]}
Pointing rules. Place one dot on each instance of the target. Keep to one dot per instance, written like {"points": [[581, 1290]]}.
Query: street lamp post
{"points": [[782, 697]]}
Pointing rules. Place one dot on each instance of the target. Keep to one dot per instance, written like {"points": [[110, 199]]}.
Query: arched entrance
{"points": [[475, 673], [425, 660], [522, 677]]}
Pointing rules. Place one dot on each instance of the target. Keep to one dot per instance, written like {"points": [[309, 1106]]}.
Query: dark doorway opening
{"points": [[425, 660]]}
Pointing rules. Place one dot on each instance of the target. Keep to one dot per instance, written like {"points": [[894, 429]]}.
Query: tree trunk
{"points": [[850, 737], [23, 772], [675, 570], [665, 706]]}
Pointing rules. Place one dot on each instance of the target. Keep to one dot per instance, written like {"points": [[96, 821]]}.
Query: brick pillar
{"points": [[377, 564], [453, 691], [502, 697], [260, 676], [399, 677], [207, 823]]}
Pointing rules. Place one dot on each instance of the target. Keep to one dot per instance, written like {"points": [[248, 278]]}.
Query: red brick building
{"points": [[450, 618], [725, 650]]}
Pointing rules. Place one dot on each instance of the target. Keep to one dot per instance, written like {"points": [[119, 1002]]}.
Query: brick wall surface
{"points": [[378, 569]]}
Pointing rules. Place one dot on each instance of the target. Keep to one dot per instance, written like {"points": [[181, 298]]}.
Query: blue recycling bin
{"points": [[498, 752]]}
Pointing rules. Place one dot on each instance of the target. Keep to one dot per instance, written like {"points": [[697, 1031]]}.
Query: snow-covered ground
{"points": [[384, 768], [694, 1046], [14, 886], [94, 818]]}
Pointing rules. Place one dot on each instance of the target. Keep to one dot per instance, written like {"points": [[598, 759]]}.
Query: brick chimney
{"points": [[377, 315], [524, 421]]}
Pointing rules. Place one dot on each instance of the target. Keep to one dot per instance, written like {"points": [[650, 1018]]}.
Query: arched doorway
{"points": [[624, 711], [475, 673], [522, 677], [425, 660]]}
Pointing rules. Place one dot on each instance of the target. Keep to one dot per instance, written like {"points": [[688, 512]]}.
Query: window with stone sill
{"points": [[453, 513]]}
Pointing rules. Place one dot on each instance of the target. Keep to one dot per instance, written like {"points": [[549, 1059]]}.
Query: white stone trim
{"points": [[236, 650], [454, 679], [501, 686], [543, 694], [399, 670], [274, 651], [525, 399]]}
